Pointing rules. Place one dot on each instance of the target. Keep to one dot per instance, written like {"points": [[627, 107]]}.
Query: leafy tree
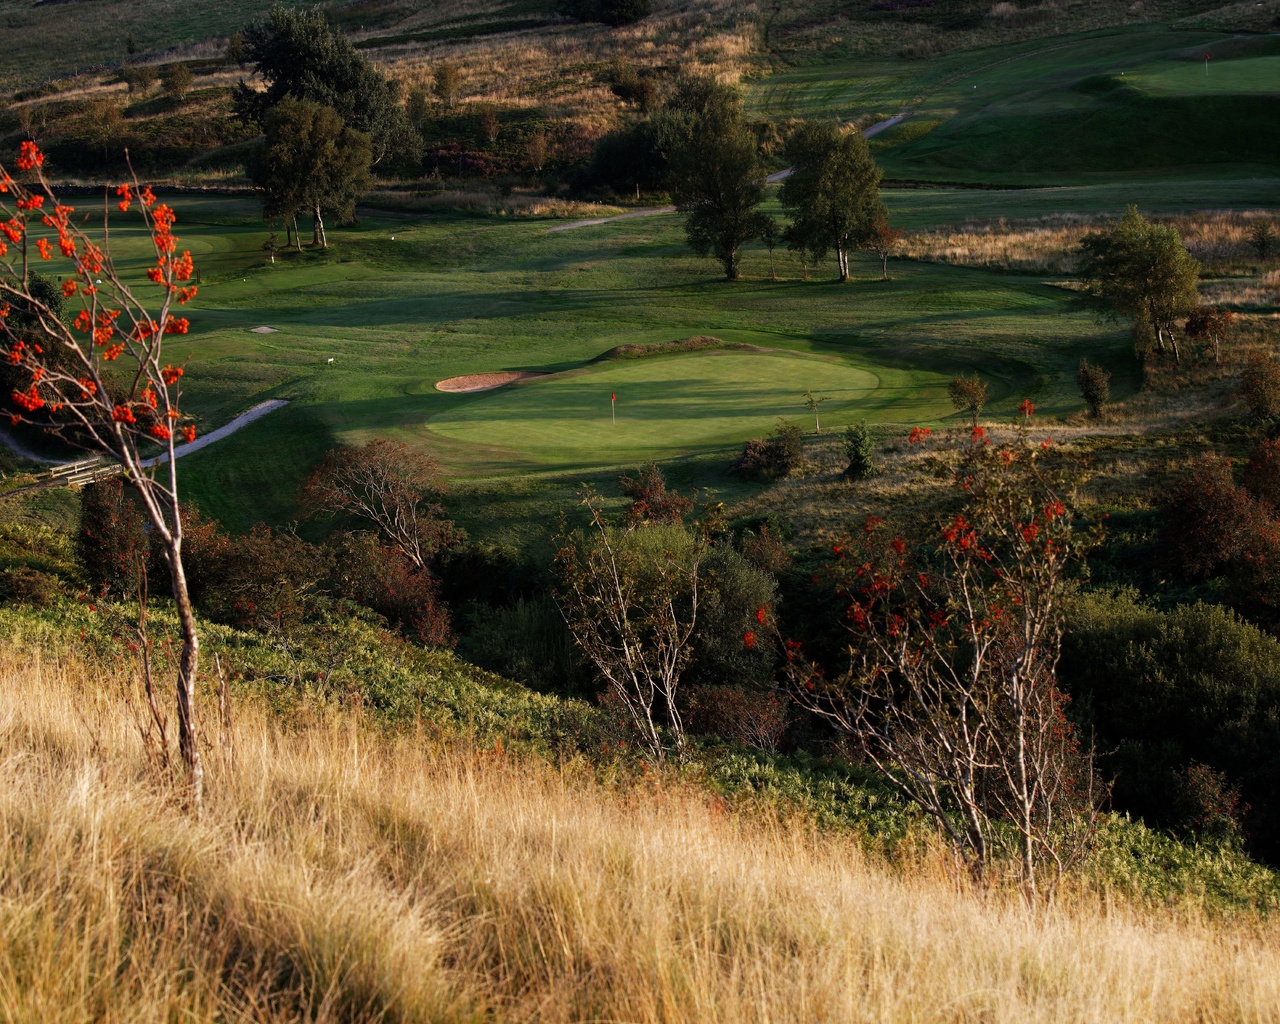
{"points": [[299, 54], [1262, 238], [110, 544], [631, 598], [237, 52], [390, 486], [1142, 271], [718, 183], [1260, 386], [536, 151], [310, 161], [138, 78], [1211, 325], [176, 80], [416, 105], [1095, 386], [832, 194], [447, 81], [883, 240], [859, 450], [968, 394]]}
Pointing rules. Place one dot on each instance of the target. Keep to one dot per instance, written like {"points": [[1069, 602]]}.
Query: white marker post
{"points": [[613, 406]]}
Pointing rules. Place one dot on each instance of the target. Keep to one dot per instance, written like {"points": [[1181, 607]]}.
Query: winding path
{"points": [[241, 421], [773, 179]]}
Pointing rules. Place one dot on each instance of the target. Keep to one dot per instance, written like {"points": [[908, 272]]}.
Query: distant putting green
{"points": [[670, 405]]}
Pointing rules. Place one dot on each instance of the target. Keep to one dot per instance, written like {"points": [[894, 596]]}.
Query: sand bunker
{"points": [[485, 381], [265, 330]]}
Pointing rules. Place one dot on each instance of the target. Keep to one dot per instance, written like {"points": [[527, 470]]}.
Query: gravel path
{"points": [[243, 420]]}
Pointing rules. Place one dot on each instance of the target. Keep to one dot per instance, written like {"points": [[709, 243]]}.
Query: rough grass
{"points": [[344, 874]]}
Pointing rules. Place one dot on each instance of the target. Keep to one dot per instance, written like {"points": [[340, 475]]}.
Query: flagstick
{"points": [[613, 406]]}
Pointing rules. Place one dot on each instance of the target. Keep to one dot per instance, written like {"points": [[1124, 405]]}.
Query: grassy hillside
{"points": [[342, 872]]}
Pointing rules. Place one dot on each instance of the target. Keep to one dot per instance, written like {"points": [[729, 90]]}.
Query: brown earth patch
{"points": [[485, 381]]}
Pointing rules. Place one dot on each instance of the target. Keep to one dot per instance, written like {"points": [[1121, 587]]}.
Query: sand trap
{"points": [[265, 330], [485, 381]]}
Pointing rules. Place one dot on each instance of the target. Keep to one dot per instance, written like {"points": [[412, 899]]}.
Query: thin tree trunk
{"points": [[317, 228], [297, 238], [288, 232], [884, 266], [188, 665]]}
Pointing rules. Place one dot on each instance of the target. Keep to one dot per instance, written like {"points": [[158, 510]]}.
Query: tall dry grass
{"points": [[342, 874]]}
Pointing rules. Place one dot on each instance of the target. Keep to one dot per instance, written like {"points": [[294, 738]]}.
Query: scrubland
{"points": [[341, 873]]}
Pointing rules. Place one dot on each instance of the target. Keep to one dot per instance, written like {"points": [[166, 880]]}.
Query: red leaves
{"points": [[749, 640], [919, 435]]}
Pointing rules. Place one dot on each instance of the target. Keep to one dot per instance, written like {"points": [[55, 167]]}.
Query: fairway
{"points": [[672, 405]]}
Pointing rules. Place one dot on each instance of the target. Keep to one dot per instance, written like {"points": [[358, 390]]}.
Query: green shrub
{"points": [[1166, 691], [110, 544], [859, 450]]}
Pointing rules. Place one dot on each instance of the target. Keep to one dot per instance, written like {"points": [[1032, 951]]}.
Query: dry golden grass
{"points": [[1219, 239], [342, 874]]}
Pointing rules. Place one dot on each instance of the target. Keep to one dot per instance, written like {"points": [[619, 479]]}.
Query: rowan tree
{"points": [[951, 689], [310, 161], [111, 545], [718, 184], [390, 486], [832, 194], [103, 382], [1142, 271]]}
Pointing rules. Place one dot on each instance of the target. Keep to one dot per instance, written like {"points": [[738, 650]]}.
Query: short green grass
{"points": [[1133, 102], [451, 295]]}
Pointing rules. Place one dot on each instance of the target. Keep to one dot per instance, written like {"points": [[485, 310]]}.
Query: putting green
{"points": [[670, 405]]}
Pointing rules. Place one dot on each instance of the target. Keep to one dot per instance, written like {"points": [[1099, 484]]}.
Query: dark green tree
{"points": [[1142, 271], [299, 54], [310, 161], [717, 183], [832, 194]]}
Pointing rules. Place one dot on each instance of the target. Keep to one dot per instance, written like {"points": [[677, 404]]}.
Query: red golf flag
{"points": [[613, 397]]}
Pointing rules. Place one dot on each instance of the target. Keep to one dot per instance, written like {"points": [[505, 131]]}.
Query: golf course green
{"points": [[672, 405]]}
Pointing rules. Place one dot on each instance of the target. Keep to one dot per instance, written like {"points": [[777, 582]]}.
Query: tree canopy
{"points": [[832, 194], [299, 54], [1143, 271], [717, 182], [310, 161]]}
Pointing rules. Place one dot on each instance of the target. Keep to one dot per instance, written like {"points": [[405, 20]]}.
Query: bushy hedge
{"points": [[1165, 691]]}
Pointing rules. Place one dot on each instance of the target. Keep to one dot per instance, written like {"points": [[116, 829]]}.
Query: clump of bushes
{"points": [[772, 457], [651, 501], [1260, 387], [1095, 386], [1185, 708]]}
